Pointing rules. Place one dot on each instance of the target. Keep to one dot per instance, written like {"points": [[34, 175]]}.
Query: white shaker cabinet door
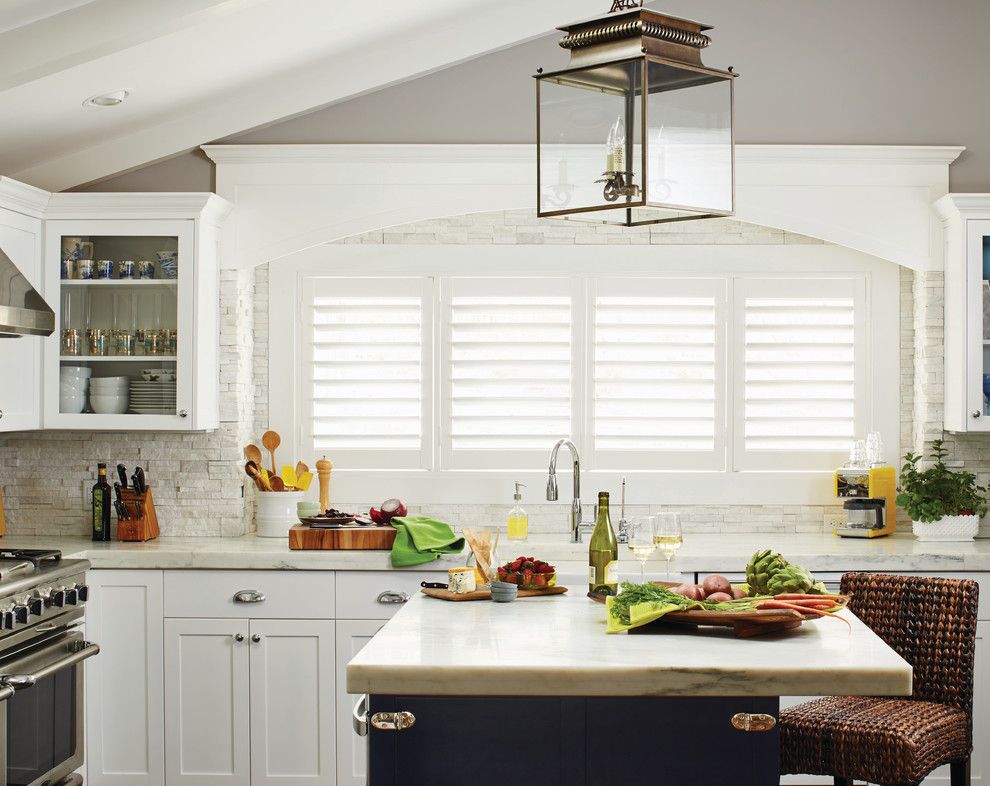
{"points": [[206, 704], [352, 750], [124, 689], [292, 693]]}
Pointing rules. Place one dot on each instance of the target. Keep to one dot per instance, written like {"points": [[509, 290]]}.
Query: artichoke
{"points": [[768, 573]]}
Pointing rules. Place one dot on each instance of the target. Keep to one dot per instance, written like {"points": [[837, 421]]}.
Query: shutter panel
{"points": [[657, 398], [366, 356], [800, 389], [508, 346]]}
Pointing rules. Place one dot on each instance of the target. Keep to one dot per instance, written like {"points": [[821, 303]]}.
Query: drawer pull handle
{"points": [[758, 721], [249, 596], [393, 721], [392, 596]]}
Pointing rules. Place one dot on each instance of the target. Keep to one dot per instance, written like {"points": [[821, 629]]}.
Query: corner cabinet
{"points": [[134, 282], [966, 220]]}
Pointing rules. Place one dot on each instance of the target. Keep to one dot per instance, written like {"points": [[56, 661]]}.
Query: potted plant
{"points": [[942, 504]]}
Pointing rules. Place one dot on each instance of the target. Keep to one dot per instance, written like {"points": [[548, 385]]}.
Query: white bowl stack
{"points": [[108, 395], [73, 385]]}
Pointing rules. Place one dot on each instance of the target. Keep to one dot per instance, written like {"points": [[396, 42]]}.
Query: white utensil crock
{"points": [[276, 512]]}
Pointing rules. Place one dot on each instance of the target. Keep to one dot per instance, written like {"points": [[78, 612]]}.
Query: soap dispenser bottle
{"points": [[518, 518]]}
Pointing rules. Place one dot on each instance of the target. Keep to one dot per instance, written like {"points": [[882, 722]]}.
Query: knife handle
{"points": [[433, 585], [122, 474], [116, 491]]}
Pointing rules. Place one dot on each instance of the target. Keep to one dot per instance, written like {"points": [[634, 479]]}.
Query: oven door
{"points": [[41, 710]]}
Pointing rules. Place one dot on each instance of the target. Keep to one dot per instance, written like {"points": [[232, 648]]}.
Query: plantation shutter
{"points": [[801, 377], [658, 365], [508, 346], [366, 349]]}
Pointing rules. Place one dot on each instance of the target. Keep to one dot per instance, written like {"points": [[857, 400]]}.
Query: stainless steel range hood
{"points": [[23, 312]]}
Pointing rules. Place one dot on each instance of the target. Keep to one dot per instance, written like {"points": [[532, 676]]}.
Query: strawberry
{"points": [[516, 565], [544, 568]]}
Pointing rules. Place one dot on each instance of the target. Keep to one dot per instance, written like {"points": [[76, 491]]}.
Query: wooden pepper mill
{"points": [[323, 469]]}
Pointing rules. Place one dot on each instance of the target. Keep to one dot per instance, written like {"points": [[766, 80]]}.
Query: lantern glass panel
{"points": [[689, 139], [580, 111]]}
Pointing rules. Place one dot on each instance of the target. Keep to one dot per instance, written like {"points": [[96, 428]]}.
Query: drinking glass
{"points": [[668, 536], [642, 541]]}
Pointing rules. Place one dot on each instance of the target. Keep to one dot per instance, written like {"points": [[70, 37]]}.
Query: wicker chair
{"points": [[931, 623]]}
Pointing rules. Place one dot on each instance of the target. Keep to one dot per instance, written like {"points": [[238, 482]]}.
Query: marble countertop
{"points": [[557, 646], [700, 552]]}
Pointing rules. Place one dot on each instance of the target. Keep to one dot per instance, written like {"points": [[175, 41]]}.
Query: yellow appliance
{"points": [[869, 483]]}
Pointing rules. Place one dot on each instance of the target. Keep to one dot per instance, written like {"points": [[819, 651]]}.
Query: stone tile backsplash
{"points": [[197, 479]]}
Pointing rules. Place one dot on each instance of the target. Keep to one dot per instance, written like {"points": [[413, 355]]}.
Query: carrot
{"points": [[796, 596], [778, 604]]}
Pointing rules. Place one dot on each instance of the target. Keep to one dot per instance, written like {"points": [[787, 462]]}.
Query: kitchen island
{"points": [[539, 681]]}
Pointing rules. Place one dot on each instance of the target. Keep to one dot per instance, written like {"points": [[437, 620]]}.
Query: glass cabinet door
{"points": [[123, 323]]}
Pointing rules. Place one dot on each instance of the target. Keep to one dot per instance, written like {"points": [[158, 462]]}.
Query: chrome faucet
{"points": [[577, 526]]}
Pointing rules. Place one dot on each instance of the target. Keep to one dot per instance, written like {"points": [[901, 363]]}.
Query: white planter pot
{"points": [[276, 513], [952, 528]]}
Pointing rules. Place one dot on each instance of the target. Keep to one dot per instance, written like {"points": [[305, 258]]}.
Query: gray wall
{"points": [[812, 71]]}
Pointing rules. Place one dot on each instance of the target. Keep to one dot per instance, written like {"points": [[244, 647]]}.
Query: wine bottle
{"points": [[603, 552], [101, 506]]}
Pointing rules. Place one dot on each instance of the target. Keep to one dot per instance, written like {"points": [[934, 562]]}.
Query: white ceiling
{"points": [[201, 70]]}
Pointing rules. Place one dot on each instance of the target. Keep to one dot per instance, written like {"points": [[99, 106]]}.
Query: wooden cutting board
{"points": [[306, 538], [445, 594]]}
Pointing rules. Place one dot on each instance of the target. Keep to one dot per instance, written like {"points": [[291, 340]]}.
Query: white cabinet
{"points": [[966, 220], [124, 685], [133, 280], [352, 750], [207, 724], [292, 699], [21, 239]]}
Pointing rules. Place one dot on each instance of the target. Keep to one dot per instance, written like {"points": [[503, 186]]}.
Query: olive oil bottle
{"points": [[603, 553], [101, 506]]}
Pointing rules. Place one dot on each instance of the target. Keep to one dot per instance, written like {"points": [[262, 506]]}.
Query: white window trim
{"points": [[487, 487]]}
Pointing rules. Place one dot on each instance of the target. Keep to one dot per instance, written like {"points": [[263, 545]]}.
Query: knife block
{"points": [[134, 528]]}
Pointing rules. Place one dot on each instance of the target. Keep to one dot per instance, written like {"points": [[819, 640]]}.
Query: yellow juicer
{"points": [[877, 484]]}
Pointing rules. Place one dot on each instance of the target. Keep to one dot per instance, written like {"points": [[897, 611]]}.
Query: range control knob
{"points": [[6, 619], [83, 592], [72, 596], [21, 614], [36, 606], [57, 597]]}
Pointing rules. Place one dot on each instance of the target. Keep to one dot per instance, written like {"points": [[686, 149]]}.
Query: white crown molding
{"points": [[180, 204], [941, 155], [23, 198], [963, 206]]}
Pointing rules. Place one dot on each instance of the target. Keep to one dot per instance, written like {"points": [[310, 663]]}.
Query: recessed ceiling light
{"points": [[103, 100]]}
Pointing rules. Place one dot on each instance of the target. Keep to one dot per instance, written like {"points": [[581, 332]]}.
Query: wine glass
{"points": [[668, 536], [642, 541]]}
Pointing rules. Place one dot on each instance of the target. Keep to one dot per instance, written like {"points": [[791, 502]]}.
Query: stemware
{"points": [[668, 536], [642, 541]]}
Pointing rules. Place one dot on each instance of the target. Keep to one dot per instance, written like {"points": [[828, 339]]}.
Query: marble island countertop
{"points": [[700, 552], [557, 646]]}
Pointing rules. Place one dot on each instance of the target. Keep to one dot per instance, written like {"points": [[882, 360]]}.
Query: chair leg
{"points": [[959, 773]]}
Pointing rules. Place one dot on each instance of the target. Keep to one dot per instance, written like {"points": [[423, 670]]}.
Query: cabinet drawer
{"points": [[264, 594], [359, 591]]}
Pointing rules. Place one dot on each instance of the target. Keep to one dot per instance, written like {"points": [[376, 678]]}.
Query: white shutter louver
{"points": [[800, 379], [367, 368], [508, 389], [658, 373]]}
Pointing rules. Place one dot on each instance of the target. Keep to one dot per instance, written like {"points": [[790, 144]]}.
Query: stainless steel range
{"points": [[42, 648]]}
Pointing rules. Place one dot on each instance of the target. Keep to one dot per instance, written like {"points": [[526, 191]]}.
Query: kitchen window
{"points": [[721, 367]]}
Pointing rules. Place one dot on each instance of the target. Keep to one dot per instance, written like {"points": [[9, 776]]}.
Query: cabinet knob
{"points": [[183, 413], [976, 413], [758, 721], [256, 638], [238, 637]]}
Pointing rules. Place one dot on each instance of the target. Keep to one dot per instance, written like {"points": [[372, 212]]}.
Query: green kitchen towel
{"points": [[420, 539]]}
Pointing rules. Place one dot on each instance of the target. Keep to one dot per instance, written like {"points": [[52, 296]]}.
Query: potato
{"points": [[690, 591], [719, 597], [717, 583], [738, 593]]}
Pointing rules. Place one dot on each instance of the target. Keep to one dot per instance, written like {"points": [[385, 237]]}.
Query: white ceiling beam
{"points": [[97, 29], [393, 56]]}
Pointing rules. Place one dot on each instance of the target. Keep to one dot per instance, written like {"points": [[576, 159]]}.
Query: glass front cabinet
{"points": [[966, 221], [136, 312]]}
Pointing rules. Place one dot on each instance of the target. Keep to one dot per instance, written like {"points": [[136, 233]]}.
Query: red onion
{"points": [[391, 508]]}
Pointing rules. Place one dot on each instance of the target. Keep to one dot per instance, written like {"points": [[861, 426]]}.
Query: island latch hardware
{"points": [[758, 721], [359, 716], [249, 596], [393, 721]]}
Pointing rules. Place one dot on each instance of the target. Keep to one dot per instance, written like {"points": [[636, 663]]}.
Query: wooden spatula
{"points": [[271, 440]]}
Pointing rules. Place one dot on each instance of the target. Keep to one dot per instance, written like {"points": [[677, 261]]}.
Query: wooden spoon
{"points": [[276, 482], [271, 440], [253, 453], [254, 473], [301, 468]]}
